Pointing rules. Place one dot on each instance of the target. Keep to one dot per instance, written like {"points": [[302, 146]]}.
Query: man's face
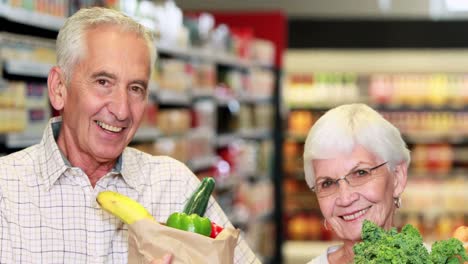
{"points": [[107, 94]]}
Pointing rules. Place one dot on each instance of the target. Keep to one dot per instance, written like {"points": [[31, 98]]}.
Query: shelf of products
{"points": [[430, 111], [47, 15], [211, 110], [24, 106]]}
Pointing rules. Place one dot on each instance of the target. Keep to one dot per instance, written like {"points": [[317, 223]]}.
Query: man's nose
{"points": [[119, 105]]}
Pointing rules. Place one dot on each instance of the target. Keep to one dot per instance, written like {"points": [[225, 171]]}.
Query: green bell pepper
{"points": [[192, 223]]}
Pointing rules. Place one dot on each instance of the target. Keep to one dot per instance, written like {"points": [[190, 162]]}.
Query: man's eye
{"points": [[138, 89], [102, 82]]}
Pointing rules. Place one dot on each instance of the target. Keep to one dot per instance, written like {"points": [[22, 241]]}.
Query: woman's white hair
{"points": [[342, 128], [71, 37]]}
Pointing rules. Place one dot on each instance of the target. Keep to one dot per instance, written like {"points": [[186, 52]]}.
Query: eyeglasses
{"points": [[327, 186]]}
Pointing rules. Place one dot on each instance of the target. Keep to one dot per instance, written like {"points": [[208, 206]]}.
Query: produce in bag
{"points": [[206, 242]]}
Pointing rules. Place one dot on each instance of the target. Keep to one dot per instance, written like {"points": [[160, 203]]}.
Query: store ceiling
{"points": [[368, 9]]}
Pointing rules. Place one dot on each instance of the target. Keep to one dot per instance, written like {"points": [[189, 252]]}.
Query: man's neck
{"points": [[93, 168]]}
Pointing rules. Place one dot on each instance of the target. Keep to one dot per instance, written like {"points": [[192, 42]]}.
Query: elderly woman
{"points": [[356, 163]]}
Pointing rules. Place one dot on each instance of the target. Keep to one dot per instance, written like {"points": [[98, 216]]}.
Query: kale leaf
{"points": [[381, 246]]}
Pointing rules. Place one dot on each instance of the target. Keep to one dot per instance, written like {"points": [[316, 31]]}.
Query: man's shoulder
{"points": [[22, 157], [16, 166], [144, 157]]}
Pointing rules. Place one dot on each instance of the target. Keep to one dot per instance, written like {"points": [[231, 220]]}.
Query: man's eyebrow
{"points": [[141, 82], [103, 74], [114, 77]]}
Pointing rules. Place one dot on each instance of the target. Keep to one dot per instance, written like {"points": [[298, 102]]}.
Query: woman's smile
{"points": [[355, 215]]}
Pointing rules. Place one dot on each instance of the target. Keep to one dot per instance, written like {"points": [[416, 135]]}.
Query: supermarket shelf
{"points": [[255, 99], [422, 137], [31, 18], [209, 55], [202, 93], [320, 106], [27, 68], [146, 134], [227, 183], [23, 139], [296, 137], [255, 133], [296, 252], [292, 106], [435, 211], [419, 108], [226, 100], [165, 96], [223, 140], [201, 163], [176, 51], [426, 137]]}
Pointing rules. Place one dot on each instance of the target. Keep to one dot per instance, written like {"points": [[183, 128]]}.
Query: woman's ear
{"points": [[56, 88], [401, 177]]}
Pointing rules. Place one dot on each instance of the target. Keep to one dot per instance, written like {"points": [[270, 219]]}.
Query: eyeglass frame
{"points": [[336, 182]]}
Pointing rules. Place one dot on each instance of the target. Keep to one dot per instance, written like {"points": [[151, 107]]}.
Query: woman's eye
{"points": [[327, 184], [361, 173]]}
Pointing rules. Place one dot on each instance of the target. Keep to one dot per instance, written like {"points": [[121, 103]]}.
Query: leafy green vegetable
{"points": [[380, 246], [446, 251]]}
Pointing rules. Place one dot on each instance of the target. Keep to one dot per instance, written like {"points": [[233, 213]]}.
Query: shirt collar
{"points": [[54, 163], [132, 170]]}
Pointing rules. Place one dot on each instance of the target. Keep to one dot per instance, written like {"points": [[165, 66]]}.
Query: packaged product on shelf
{"points": [[242, 41], [175, 147], [204, 78], [232, 79], [174, 121], [263, 51], [299, 122], [204, 114], [260, 83], [150, 117], [380, 89], [246, 122], [200, 149], [174, 75], [27, 48]]}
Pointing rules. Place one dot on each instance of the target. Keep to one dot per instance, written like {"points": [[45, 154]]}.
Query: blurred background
{"points": [[238, 84]]}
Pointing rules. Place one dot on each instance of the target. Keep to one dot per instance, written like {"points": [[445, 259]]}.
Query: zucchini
{"points": [[199, 200]]}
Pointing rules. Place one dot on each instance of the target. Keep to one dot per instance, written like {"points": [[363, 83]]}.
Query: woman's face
{"points": [[346, 209]]}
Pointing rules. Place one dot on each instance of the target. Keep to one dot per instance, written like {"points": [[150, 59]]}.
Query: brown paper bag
{"points": [[148, 240]]}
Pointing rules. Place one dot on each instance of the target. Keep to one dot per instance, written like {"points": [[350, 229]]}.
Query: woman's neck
{"points": [[343, 255]]}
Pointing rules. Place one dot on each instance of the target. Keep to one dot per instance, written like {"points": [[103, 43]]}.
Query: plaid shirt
{"points": [[48, 209]]}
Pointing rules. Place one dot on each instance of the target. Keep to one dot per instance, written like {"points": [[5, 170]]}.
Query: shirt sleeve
{"points": [[5, 240]]}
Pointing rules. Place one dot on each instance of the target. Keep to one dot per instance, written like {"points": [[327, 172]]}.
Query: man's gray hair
{"points": [[71, 37]]}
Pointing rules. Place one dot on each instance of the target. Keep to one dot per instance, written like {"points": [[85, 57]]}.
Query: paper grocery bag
{"points": [[148, 240]]}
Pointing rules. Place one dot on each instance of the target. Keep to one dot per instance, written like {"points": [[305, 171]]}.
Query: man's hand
{"points": [[167, 259]]}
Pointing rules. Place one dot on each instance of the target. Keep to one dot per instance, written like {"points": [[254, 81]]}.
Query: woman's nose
{"points": [[346, 194]]}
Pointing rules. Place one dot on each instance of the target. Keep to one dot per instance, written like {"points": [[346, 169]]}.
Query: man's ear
{"points": [[401, 177], [56, 88]]}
